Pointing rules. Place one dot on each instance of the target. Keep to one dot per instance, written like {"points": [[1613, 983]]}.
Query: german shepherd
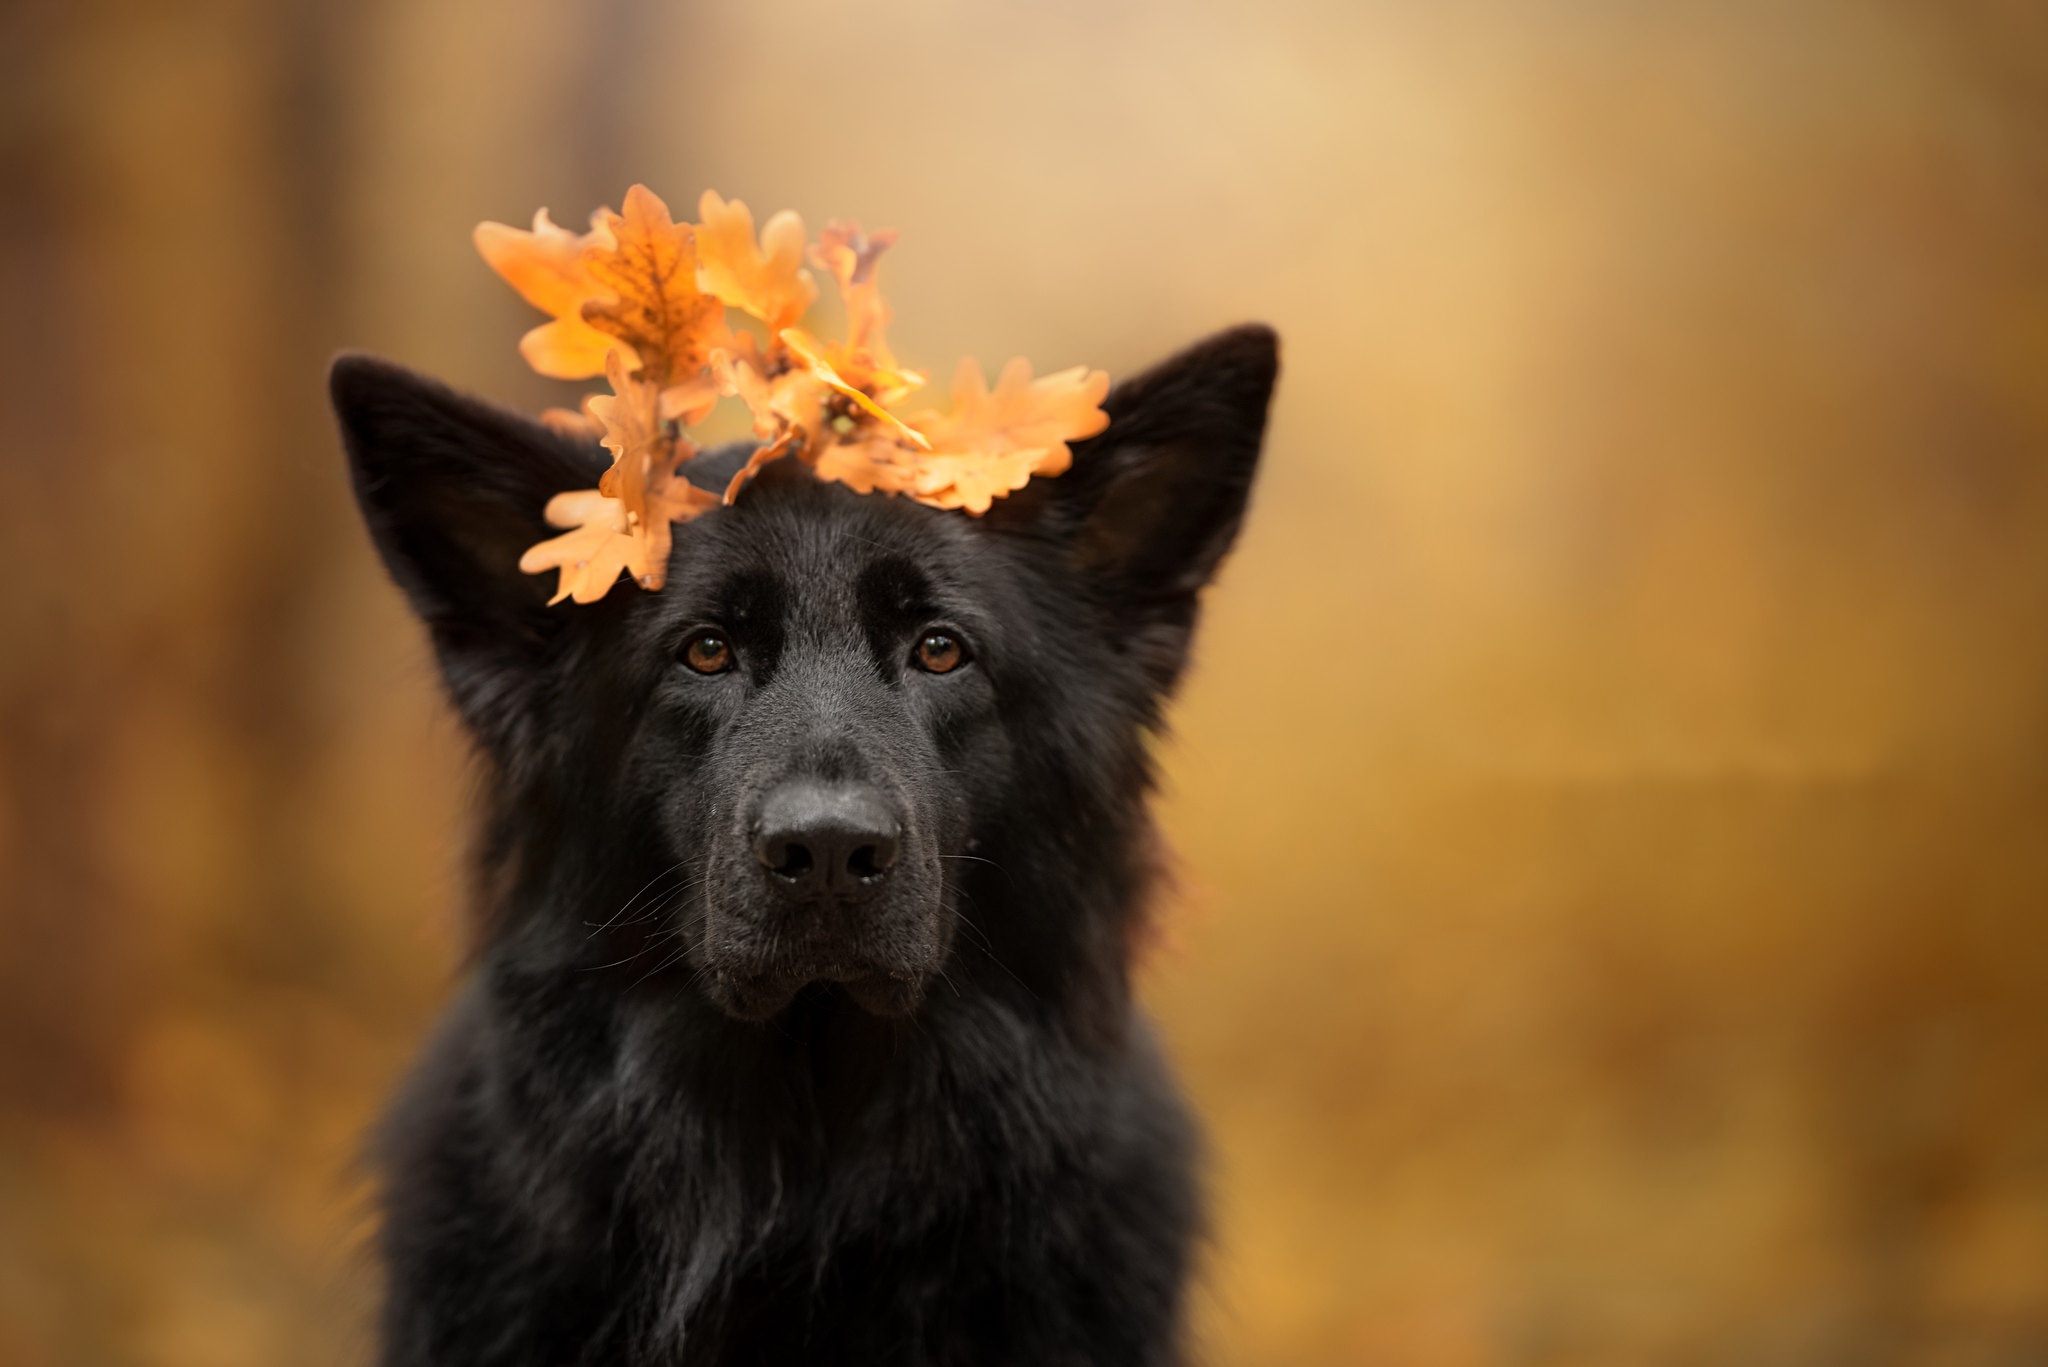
{"points": [[800, 1027]]}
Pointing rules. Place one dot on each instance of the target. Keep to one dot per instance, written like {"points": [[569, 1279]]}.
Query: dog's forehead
{"points": [[820, 555]]}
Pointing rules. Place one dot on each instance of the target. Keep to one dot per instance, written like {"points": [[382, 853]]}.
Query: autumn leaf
{"points": [[818, 361], [992, 442], [787, 411], [624, 523], [863, 363], [628, 285], [691, 400], [768, 279], [653, 304], [591, 556], [678, 500], [632, 431], [794, 398], [605, 539], [740, 379], [851, 257], [869, 463], [548, 268], [762, 457]]}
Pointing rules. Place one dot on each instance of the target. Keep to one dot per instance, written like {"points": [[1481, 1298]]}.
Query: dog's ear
{"points": [[452, 490], [1150, 507]]}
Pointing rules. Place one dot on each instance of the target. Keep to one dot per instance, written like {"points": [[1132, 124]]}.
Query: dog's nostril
{"points": [[794, 862], [867, 862]]}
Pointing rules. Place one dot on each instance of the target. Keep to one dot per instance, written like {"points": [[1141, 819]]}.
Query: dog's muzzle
{"points": [[840, 894]]}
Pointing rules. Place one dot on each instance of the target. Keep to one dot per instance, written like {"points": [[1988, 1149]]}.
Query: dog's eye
{"points": [[708, 653], [939, 652]]}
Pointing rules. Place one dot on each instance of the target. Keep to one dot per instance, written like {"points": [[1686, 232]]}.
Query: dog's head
{"points": [[843, 711]]}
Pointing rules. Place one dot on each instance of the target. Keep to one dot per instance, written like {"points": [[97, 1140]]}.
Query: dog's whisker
{"points": [[661, 877], [976, 859], [987, 946]]}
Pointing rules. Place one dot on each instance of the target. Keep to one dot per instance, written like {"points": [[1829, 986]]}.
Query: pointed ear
{"points": [[452, 491], [1151, 506]]}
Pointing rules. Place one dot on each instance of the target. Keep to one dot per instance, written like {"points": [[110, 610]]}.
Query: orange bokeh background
{"points": [[1610, 795]]}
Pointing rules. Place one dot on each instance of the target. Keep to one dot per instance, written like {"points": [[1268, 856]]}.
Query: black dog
{"points": [[801, 1031]]}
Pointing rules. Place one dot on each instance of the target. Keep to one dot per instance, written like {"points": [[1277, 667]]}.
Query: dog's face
{"points": [[821, 729], [841, 709]]}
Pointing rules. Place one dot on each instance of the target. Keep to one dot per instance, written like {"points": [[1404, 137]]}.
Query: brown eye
{"points": [[707, 653], [939, 653]]}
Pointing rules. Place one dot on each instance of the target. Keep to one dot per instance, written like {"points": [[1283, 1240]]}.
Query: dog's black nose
{"points": [[826, 838]]}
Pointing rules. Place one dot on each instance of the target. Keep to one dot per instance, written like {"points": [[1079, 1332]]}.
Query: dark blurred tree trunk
{"points": [[179, 261]]}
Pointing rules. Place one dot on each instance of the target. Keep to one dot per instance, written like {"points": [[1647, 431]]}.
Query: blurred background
{"points": [[1611, 792]]}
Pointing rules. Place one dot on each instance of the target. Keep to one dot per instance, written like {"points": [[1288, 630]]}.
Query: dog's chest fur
{"points": [[998, 1197]]}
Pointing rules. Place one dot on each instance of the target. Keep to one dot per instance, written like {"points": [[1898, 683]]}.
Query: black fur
{"points": [[679, 1115]]}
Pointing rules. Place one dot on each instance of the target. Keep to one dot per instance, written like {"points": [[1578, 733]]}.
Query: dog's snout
{"points": [[816, 838]]}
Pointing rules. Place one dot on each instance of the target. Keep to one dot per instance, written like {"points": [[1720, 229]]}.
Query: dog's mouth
{"points": [[760, 995], [882, 954]]}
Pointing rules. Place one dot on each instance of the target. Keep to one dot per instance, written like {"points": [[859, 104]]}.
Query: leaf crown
{"points": [[642, 300]]}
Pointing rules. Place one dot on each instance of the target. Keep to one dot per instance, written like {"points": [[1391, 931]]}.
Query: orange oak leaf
{"points": [[768, 279], [602, 543], [623, 524], [850, 371], [970, 480], [863, 359], [793, 398], [678, 500], [633, 432], [851, 257], [690, 401], [548, 268], [674, 500], [819, 361], [993, 441], [653, 304], [606, 539], [786, 410], [763, 455], [869, 462], [740, 379]]}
